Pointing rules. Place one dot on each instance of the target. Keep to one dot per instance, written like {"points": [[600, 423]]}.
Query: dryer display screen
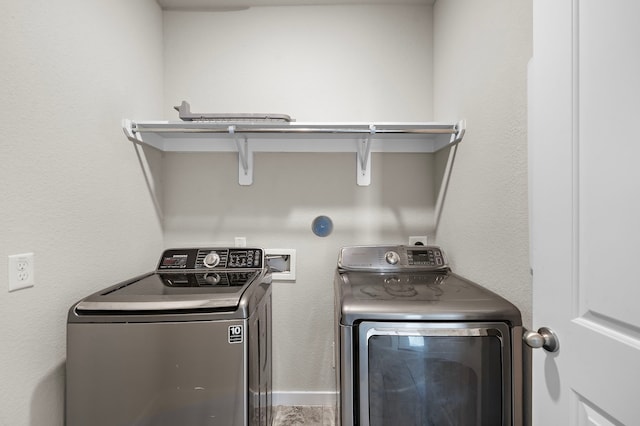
{"points": [[427, 257], [175, 261]]}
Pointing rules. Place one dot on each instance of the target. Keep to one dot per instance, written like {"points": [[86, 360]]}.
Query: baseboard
{"points": [[303, 398]]}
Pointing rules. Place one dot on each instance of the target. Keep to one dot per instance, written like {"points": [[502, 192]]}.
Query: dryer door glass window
{"points": [[441, 378]]}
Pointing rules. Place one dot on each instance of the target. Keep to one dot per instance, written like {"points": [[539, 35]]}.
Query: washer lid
{"points": [[418, 296], [172, 291]]}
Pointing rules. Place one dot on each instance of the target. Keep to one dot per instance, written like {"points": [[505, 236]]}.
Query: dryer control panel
{"points": [[392, 258], [211, 258]]}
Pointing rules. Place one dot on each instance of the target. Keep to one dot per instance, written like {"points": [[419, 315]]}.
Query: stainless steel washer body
{"points": [[188, 344], [419, 345]]}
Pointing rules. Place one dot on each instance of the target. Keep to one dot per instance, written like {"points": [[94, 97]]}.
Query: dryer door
{"points": [[434, 373]]}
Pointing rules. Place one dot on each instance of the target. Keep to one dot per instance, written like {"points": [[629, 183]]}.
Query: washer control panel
{"points": [[392, 258], [211, 258]]}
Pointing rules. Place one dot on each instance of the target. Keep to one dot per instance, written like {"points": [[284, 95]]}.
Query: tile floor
{"points": [[304, 415]]}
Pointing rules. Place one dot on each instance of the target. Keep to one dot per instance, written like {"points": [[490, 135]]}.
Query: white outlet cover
{"points": [[413, 240], [21, 271]]}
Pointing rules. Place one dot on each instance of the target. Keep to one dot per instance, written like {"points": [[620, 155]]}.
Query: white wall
{"points": [[72, 187], [481, 50], [329, 63], [315, 63]]}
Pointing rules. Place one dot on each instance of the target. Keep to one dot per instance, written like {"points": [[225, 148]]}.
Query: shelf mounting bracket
{"points": [[245, 158], [127, 127], [363, 160], [460, 128]]}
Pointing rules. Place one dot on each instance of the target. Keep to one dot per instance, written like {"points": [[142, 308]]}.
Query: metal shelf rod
{"points": [[294, 130]]}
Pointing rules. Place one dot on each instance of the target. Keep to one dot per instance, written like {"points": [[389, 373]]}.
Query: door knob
{"points": [[545, 338]]}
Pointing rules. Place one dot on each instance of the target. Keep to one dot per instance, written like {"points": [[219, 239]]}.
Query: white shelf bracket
{"points": [[245, 158], [459, 133], [363, 161], [127, 127]]}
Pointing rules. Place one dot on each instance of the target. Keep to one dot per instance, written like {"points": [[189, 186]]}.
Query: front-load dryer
{"points": [[418, 345]]}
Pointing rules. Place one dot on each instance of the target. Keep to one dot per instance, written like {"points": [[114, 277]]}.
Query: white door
{"points": [[585, 210]]}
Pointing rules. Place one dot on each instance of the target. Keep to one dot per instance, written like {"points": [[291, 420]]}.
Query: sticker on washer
{"points": [[236, 334]]}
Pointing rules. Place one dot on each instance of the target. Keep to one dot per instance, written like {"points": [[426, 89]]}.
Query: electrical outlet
{"points": [[21, 271], [418, 241]]}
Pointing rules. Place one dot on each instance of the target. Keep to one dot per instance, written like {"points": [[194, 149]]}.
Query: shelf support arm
{"points": [[245, 158], [459, 132], [363, 161], [127, 127]]}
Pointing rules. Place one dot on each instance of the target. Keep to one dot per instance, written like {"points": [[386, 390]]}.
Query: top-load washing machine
{"points": [[418, 345], [188, 344]]}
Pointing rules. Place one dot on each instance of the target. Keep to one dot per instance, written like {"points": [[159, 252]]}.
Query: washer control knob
{"points": [[391, 257], [212, 278], [211, 260]]}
